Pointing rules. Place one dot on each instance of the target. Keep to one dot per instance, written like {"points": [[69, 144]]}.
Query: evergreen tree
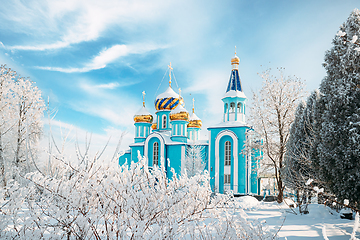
{"points": [[301, 148], [291, 171], [339, 151]]}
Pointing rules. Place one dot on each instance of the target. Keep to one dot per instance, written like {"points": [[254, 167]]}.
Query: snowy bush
{"points": [[120, 202]]}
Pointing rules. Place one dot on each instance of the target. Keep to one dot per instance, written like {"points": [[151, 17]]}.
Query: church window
{"points": [[164, 121], [232, 107], [239, 107], [227, 178], [156, 154], [227, 153], [226, 108]]}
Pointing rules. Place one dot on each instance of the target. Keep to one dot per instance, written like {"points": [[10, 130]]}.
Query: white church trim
{"points": [[162, 146], [217, 158]]}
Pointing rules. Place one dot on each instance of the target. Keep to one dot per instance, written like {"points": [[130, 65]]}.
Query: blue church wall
{"points": [[175, 153], [222, 163], [150, 153], [160, 115], [256, 158], [126, 157], [240, 134], [135, 150]]}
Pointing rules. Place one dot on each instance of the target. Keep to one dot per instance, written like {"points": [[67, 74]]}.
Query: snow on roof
{"points": [[143, 112], [166, 136], [230, 124], [168, 93], [179, 109], [194, 117], [233, 93]]}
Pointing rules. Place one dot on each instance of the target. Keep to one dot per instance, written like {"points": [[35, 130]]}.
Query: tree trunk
{"points": [[2, 166], [280, 195]]}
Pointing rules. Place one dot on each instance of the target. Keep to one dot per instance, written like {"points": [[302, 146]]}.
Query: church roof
{"points": [[234, 82], [230, 124], [166, 135]]}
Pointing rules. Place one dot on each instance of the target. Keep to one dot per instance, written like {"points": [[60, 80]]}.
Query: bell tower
{"points": [[234, 99]]}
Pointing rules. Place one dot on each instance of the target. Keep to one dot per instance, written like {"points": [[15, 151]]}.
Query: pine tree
{"points": [[339, 151], [301, 148], [291, 171]]}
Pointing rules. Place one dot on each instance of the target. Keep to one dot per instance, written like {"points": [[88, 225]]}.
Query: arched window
{"points": [[156, 154], [227, 153], [239, 107], [164, 121], [226, 108], [232, 107]]}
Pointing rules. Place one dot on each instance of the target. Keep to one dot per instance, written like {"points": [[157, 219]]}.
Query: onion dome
{"points": [[194, 121], [154, 126], [179, 113], [143, 115], [167, 100], [235, 60]]}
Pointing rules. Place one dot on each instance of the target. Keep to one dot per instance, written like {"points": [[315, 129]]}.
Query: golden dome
{"points": [[143, 116], [180, 116], [154, 126], [194, 121], [195, 124], [235, 60], [147, 119], [179, 113]]}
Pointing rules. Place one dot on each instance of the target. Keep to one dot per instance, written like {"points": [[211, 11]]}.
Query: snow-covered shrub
{"points": [[120, 202]]}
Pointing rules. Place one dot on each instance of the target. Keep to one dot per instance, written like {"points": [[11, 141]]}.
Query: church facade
{"points": [[171, 139]]}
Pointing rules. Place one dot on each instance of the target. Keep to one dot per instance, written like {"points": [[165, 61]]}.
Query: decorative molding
{"points": [[235, 156], [162, 146]]}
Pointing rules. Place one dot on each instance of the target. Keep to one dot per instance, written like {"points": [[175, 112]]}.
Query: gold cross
{"points": [[193, 105], [143, 94], [170, 68]]}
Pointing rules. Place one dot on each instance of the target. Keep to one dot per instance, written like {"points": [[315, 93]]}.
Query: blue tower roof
{"points": [[234, 82]]}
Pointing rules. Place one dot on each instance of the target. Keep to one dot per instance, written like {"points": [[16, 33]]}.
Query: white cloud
{"points": [[108, 56], [75, 21], [112, 85]]}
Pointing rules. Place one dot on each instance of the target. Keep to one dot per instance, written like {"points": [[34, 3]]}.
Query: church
{"points": [[168, 139]]}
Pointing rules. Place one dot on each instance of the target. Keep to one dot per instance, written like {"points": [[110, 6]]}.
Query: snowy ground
{"points": [[309, 226]]}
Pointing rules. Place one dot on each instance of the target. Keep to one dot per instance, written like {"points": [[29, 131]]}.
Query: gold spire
{"points": [[193, 109], [235, 50], [143, 94], [179, 93], [170, 68]]}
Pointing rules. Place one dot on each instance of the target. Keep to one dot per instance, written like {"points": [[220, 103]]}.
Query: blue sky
{"points": [[94, 58]]}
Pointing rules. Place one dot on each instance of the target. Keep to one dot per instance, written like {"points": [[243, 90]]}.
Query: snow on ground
{"points": [[295, 227]]}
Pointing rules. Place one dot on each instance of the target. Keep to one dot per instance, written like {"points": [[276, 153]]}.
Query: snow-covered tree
{"points": [[194, 160], [298, 167], [29, 107], [339, 151], [293, 172], [21, 110], [7, 120], [272, 112]]}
